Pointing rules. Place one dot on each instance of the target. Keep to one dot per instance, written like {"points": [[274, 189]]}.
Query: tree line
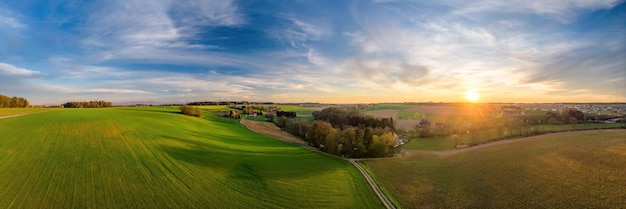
{"points": [[12, 102], [89, 104], [346, 133]]}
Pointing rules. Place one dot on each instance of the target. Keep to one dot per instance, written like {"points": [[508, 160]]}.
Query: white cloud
{"points": [[474, 45], [208, 12], [10, 22], [9, 19], [157, 24], [562, 11], [116, 91], [11, 70], [298, 31]]}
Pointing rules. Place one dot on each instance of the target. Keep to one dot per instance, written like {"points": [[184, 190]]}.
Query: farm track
{"points": [[12, 116], [379, 193], [264, 129]]}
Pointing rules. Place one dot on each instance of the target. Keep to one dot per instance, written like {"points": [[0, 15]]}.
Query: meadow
{"points": [[585, 169], [158, 158], [485, 136]]}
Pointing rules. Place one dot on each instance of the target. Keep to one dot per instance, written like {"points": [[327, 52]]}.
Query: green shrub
{"points": [[189, 110]]}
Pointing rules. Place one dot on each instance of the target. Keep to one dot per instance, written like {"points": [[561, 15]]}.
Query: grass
{"points": [[388, 106], [565, 170], [158, 158], [298, 109], [479, 137], [20, 111]]}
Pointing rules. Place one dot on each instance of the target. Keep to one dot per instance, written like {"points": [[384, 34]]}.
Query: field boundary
{"points": [[12, 116], [250, 125]]}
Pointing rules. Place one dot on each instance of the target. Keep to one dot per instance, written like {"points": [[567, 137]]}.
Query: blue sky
{"points": [[144, 51]]}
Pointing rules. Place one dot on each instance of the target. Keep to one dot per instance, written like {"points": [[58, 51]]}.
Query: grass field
{"points": [[158, 158], [565, 170], [299, 109], [384, 113], [20, 111], [479, 137], [388, 106]]}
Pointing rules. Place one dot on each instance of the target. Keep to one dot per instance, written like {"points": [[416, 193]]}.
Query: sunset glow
{"points": [[472, 96], [145, 51]]}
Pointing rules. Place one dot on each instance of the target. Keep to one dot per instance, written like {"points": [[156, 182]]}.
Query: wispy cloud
{"points": [[562, 11], [10, 22], [116, 91], [10, 70], [158, 24], [9, 19]]}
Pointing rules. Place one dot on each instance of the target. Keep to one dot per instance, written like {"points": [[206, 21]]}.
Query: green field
{"points": [[298, 109], [21, 111], [388, 106], [565, 170], [158, 158], [483, 136]]}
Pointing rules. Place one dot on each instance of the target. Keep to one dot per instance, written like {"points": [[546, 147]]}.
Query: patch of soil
{"points": [[385, 113], [271, 130], [439, 110], [406, 125]]}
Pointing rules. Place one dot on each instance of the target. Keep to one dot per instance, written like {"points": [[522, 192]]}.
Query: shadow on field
{"points": [[250, 167], [195, 152], [248, 176]]}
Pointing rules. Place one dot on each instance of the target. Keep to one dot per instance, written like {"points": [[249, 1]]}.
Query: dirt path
{"points": [[12, 116], [408, 153], [379, 193], [271, 130]]}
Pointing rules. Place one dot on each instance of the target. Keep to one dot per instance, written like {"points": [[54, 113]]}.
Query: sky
{"points": [[328, 51]]}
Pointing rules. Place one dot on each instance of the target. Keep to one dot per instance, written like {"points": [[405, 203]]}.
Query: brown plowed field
{"points": [[406, 125], [386, 113], [271, 130], [439, 110]]}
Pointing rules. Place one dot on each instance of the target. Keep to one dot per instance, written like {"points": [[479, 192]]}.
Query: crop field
{"points": [[388, 106], [384, 113], [585, 169], [408, 116], [269, 129], [4, 112], [305, 111], [158, 158], [483, 136], [448, 113]]}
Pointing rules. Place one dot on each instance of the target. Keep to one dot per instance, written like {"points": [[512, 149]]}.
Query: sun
{"points": [[472, 96]]}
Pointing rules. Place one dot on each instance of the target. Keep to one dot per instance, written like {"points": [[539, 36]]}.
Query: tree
{"points": [[318, 132], [553, 120], [381, 144], [13, 102], [191, 111], [270, 116]]}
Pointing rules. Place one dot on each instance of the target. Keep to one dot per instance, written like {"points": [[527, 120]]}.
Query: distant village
{"points": [[607, 109]]}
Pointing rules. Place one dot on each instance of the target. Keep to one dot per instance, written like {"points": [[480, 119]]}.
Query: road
{"points": [[381, 195]]}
